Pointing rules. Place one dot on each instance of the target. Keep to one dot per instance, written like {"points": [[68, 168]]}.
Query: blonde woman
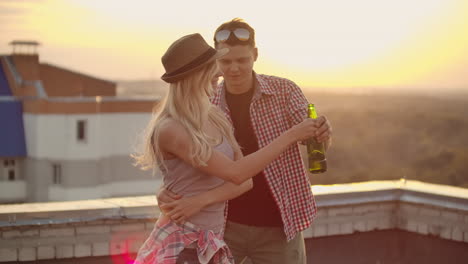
{"points": [[193, 145]]}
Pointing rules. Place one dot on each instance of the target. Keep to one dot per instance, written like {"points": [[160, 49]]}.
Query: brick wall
{"points": [[75, 229]]}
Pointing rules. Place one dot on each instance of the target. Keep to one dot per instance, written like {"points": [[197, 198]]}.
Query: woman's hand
{"points": [[304, 130], [324, 129], [214, 81]]}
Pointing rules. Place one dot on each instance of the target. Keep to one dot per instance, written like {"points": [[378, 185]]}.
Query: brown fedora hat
{"points": [[186, 55]]}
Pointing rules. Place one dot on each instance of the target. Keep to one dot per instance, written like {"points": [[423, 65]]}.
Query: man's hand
{"points": [[180, 210], [324, 129], [165, 196]]}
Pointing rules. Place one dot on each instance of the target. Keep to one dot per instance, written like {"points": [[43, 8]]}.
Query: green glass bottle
{"points": [[316, 150]]}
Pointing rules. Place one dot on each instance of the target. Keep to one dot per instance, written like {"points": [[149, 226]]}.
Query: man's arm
{"points": [[179, 208]]}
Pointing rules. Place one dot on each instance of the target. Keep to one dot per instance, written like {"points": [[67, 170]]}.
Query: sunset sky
{"points": [[332, 44]]}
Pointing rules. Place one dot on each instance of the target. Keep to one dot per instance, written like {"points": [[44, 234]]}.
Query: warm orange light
{"points": [[315, 43]]}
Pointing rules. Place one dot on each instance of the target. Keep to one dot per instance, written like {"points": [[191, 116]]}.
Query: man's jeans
{"points": [[189, 256], [264, 245]]}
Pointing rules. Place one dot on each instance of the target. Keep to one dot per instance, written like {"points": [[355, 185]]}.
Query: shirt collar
{"points": [[263, 86]]}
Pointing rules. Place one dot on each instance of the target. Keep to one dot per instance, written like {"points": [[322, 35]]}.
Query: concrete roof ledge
{"points": [[144, 207], [78, 211], [402, 190]]}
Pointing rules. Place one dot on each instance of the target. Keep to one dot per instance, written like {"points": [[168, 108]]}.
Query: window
{"points": [[56, 173], [10, 169], [11, 175], [81, 130], [8, 163]]}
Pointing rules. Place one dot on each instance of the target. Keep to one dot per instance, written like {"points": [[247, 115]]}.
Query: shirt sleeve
{"points": [[297, 104]]}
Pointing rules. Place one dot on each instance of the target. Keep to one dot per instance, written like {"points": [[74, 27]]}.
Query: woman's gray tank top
{"points": [[183, 179]]}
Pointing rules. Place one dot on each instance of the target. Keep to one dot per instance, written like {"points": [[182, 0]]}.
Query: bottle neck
{"points": [[312, 112]]}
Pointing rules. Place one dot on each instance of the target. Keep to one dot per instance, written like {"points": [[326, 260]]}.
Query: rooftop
{"points": [[387, 221]]}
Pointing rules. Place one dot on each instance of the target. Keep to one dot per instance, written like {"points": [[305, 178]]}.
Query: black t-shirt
{"points": [[256, 207]]}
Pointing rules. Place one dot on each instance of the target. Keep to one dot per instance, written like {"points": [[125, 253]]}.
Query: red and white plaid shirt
{"points": [[277, 105], [168, 239]]}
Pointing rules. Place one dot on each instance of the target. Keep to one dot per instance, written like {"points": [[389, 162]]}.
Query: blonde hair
{"points": [[188, 103]]}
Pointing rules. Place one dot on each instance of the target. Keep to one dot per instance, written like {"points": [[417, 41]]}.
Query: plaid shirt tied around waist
{"points": [[168, 239], [277, 105]]}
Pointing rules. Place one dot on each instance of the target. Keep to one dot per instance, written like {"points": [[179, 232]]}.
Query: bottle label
{"points": [[315, 150]]}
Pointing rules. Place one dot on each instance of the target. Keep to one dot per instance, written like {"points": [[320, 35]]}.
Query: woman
{"points": [[193, 145]]}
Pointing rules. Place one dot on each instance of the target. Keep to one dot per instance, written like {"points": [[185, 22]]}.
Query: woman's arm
{"points": [[297, 107], [175, 139]]}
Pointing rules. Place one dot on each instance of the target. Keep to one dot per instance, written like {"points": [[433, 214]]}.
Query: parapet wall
{"points": [[118, 226], [427, 209]]}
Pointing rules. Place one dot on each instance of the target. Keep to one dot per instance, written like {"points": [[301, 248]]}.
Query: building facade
{"points": [[65, 135]]}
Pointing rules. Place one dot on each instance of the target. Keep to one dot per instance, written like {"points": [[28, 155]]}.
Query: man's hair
{"points": [[232, 40]]}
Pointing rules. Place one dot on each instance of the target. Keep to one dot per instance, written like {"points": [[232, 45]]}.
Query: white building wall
{"points": [[54, 136], [97, 167], [12, 191]]}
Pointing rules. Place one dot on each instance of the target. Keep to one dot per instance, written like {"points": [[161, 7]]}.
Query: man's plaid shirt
{"points": [[277, 105]]}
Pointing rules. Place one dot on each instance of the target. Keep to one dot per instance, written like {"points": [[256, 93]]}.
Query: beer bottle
{"points": [[315, 150]]}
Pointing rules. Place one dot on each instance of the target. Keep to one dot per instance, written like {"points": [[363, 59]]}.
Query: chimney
{"points": [[24, 47]]}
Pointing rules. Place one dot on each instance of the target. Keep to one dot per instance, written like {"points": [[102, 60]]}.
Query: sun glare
{"points": [[331, 43], [364, 43]]}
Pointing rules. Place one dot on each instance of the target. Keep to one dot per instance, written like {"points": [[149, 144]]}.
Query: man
{"points": [[264, 223]]}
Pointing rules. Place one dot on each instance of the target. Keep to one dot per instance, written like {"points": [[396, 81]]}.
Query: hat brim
{"points": [[177, 77]]}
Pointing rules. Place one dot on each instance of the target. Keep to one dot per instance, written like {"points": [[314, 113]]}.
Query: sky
{"points": [[333, 44]]}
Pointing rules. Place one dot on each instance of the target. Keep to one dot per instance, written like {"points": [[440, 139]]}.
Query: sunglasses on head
{"points": [[241, 34]]}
